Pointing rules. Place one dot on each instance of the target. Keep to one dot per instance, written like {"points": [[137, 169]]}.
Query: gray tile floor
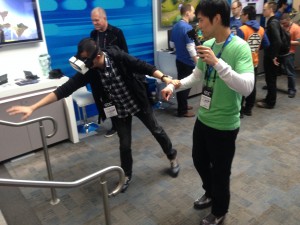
{"points": [[265, 181]]}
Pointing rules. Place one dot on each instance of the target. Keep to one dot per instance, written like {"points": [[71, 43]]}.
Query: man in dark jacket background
{"points": [[106, 35], [271, 54], [116, 82]]}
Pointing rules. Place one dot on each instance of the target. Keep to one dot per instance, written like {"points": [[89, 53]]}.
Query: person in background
{"points": [[282, 6], [116, 80], [256, 37], [2, 40], [106, 35], [271, 56], [235, 20], [186, 55], [289, 59], [225, 68], [296, 18]]}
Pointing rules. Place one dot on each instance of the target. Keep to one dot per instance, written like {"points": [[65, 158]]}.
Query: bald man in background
{"points": [[106, 35]]}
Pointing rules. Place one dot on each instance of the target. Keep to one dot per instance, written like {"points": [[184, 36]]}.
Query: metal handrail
{"points": [[60, 184], [20, 124], [40, 120]]}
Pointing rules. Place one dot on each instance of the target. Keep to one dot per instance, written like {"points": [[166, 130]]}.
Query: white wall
{"points": [[15, 59], [160, 34]]}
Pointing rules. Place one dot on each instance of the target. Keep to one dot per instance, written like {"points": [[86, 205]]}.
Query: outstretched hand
{"points": [[166, 93], [25, 110], [176, 83]]}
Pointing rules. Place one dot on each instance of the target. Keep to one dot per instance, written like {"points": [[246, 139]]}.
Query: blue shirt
{"points": [[235, 24], [181, 39]]}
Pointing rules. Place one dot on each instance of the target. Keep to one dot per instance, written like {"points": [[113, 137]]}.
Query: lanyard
{"points": [[210, 68]]}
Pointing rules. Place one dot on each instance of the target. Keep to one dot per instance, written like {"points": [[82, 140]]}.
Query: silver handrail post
{"points": [[105, 195], [58, 184], [54, 200]]}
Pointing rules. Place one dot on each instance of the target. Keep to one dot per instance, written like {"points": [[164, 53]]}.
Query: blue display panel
{"points": [[68, 21]]}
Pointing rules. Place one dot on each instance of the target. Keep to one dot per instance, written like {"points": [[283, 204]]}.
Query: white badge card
{"points": [[206, 97], [110, 110]]}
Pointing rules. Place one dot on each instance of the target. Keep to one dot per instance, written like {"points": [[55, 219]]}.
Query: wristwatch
{"points": [[162, 77]]}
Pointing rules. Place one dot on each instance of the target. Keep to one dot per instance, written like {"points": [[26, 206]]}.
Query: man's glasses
{"points": [[233, 8]]}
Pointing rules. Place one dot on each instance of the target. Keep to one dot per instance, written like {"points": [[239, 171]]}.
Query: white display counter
{"points": [[17, 141]]}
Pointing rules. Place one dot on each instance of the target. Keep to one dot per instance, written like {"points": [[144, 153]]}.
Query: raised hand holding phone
{"points": [[207, 55]]}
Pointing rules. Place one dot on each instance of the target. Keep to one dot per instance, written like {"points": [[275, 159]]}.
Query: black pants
{"points": [[271, 73], [213, 152], [250, 99], [124, 125], [183, 70]]}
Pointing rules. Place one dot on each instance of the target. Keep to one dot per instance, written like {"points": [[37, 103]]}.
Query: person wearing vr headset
{"points": [[106, 35], [116, 80]]}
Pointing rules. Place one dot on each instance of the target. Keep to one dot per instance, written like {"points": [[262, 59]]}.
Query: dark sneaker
{"points": [[203, 202], [247, 112], [175, 168], [265, 105], [291, 94], [241, 115], [211, 219], [126, 184], [110, 133]]}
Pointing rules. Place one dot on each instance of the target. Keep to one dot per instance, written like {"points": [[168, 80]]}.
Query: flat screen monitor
{"points": [[170, 11], [169, 33], [19, 22]]}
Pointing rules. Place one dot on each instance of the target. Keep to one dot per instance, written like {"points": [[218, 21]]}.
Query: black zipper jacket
{"points": [[112, 36], [133, 71], [273, 33]]}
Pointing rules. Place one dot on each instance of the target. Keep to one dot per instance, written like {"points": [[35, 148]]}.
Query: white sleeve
{"points": [[241, 83], [172, 45], [189, 81], [191, 48]]}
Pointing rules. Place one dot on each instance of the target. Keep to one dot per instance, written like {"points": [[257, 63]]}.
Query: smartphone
{"points": [[194, 36]]}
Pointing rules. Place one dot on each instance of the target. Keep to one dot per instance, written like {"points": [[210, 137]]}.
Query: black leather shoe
{"points": [[203, 202], [175, 168], [126, 184], [211, 219]]}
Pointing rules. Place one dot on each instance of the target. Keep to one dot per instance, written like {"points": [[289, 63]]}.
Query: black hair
{"points": [[250, 11], [88, 45], [210, 8], [280, 3]]}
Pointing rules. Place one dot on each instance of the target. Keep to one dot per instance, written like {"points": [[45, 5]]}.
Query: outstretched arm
{"points": [[28, 110]]}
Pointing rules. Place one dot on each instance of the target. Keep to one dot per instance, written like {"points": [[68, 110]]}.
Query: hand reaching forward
{"points": [[166, 93], [25, 110], [176, 83]]}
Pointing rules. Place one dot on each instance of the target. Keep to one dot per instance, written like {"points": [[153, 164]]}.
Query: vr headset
{"points": [[83, 65]]}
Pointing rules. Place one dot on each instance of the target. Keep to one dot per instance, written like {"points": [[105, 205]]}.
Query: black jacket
{"points": [[273, 33], [131, 69], [113, 36]]}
